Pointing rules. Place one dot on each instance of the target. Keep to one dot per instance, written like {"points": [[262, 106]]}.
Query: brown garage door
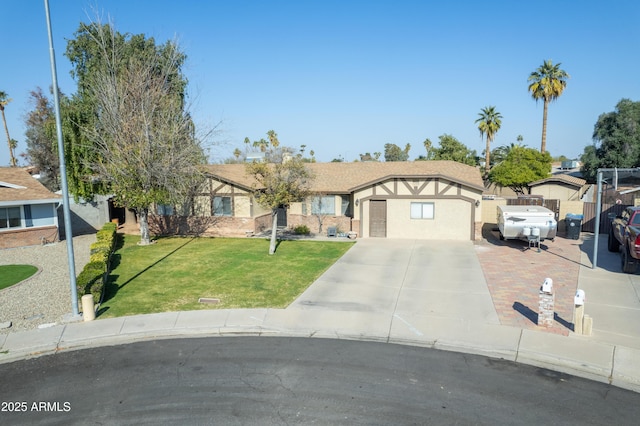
{"points": [[378, 218]]}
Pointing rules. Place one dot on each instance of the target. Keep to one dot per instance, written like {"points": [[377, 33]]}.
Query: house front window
{"points": [[422, 210], [222, 206], [325, 205], [345, 208], [39, 215], [164, 210], [10, 217]]}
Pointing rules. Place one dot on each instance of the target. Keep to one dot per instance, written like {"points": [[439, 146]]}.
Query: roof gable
{"points": [[561, 178], [16, 184]]}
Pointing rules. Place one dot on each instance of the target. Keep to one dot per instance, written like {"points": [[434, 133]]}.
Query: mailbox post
{"points": [[582, 323]]}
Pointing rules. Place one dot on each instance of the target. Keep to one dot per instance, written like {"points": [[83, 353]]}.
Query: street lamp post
{"points": [[63, 172]]}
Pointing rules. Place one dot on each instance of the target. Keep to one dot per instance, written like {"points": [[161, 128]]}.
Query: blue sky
{"points": [[346, 77]]}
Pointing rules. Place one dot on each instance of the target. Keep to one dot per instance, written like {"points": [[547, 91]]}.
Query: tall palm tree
{"points": [[489, 123], [547, 83], [4, 100]]}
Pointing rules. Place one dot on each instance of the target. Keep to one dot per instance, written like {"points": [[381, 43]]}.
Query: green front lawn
{"points": [[173, 273], [13, 274]]}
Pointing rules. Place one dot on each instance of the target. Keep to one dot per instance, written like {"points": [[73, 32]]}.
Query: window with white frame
{"points": [[422, 210], [10, 217], [222, 206], [325, 205]]}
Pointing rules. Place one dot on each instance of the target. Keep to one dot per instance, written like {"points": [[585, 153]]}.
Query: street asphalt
{"points": [[413, 292]]}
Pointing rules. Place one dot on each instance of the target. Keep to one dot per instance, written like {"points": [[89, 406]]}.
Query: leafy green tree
{"points": [[4, 101], [368, 157], [547, 83], [393, 152], [616, 137], [521, 167], [500, 153], [489, 123], [452, 149], [140, 138], [590, 163], [279, 184], [42, 147]]}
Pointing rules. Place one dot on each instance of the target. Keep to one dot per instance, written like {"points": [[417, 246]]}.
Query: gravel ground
{"points": [[45, 298]]}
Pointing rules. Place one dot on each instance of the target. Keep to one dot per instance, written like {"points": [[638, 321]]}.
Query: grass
{"points": [[13, 274], [173, 273]]}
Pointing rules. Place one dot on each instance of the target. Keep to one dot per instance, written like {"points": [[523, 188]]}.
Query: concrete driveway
{"points": [[412, 281]]}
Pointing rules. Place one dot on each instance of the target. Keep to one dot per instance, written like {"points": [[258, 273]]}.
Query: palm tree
{"points": [[4, 100], [547, 83], [489, 123]]}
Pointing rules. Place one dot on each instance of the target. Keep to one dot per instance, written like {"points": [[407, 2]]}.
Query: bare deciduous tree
{"points": [[144, 137]]}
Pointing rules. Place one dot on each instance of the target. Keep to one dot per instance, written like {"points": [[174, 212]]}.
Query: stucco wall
{"points": [[490, 210], [451, 221], [557, 191], [455, 214]]}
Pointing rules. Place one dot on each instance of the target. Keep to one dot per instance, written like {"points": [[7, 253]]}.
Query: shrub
{"points": [[92, 278], [92, 274], [301, 230]]}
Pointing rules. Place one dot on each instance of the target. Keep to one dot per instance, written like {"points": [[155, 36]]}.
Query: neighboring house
{"points": [[28, 213], [422, 199], [559, 187]]}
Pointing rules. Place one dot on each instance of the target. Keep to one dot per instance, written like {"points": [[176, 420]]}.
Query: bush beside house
{"points": [[93, 276]]}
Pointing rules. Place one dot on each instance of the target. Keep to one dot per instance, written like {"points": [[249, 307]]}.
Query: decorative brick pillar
{"points": [[546, 309]]}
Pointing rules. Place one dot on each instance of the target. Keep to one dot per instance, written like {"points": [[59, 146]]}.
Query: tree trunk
{"points": [[6, 130], [487, 157], [274, 230], [143, 219], [543, 145]]}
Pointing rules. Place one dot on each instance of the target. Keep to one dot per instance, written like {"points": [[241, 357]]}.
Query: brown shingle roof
{"points": [[562, 178], [346, 177], [16, 184]]}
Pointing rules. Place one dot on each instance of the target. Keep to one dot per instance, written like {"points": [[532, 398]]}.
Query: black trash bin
{"points": [[574, 225]]}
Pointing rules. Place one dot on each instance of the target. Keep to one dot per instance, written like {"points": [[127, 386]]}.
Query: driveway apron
{"points": [[405, 280]]}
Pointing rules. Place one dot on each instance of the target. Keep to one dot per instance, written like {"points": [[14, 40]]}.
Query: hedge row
{"points": [[93, 277]]}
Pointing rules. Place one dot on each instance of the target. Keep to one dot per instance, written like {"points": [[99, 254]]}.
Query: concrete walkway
{"points": [[424, 293]]}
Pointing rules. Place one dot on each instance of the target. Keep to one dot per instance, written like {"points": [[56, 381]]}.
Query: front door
{"points": [[378, 218], [282, 217]]}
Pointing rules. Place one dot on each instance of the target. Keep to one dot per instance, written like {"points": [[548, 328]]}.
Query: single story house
{"points": [[28, 213], [420, 199], [559, 187]]}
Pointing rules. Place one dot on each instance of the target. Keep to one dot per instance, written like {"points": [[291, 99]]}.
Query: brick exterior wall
{"points": [[343, 223], [222, 226], [28, 237], [212, 226]]}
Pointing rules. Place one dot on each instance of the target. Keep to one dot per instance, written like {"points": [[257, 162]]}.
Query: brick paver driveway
{"points": [[514, 274]]}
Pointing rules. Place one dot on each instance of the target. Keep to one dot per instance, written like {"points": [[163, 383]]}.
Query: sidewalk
{"points": [[610, 355]]}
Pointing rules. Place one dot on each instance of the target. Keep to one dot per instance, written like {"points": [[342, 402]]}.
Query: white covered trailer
{"points": [[522, 222]]}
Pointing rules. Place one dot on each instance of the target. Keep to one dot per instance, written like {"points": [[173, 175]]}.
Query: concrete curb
{"points": [[606, 363]]}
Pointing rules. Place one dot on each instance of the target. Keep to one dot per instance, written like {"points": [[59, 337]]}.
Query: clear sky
{"points": [[345, 77]]}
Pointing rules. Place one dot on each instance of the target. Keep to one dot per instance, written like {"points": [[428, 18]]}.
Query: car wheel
{"points": [[629, 264]]}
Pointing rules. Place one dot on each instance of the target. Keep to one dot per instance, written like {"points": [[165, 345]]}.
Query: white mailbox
{"points": [[547, 285], [579, 299]]}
